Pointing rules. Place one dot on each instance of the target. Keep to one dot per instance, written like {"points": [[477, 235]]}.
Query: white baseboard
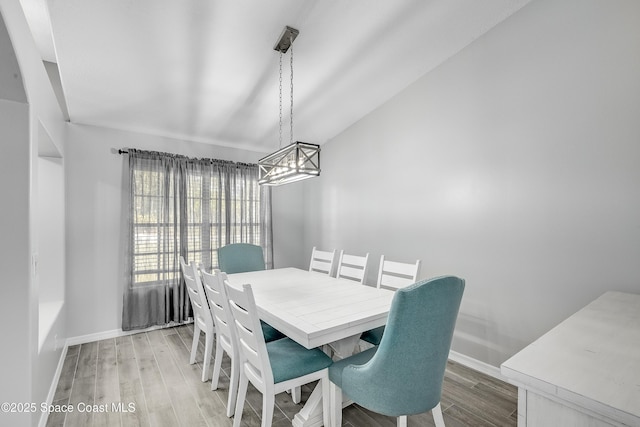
{"points": [[53, 387], [115, 333], [477, 365]]}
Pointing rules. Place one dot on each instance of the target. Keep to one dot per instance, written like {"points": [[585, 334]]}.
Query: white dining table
{"points": [[585, 371], [315, 309]]}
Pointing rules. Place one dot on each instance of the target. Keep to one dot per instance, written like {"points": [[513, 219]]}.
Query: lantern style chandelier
{"points": [[298, 160]]}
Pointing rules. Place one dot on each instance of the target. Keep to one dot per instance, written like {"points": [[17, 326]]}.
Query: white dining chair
{"points": [[392, 275], [273, 367], [202, 320], [226, 340], [353, 267], [322, 261]]}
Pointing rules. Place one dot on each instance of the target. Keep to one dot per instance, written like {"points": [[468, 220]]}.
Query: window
{"points": [[190, 208]]}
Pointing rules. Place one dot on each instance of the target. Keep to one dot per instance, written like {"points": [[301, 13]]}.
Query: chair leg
{"points": [[268, 403], [402, 421], [437, 415], [194, 344], [217, 366], [335, 404], [326, 402], [208, 348], [242, 395], [233, 386], [296, 394]]}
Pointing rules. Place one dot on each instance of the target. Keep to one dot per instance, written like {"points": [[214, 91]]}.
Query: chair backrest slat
{"points": [[397, 275], [352, 273], [196, 293], [219, 306], [353, 267], [195, 298], [322, 261], [253, 350], [396, 282], [251, 353]]}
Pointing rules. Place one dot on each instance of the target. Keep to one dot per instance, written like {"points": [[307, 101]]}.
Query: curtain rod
{"points": [[126, 151]]}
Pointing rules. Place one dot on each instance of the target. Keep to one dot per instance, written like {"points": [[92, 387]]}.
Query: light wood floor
{"points": [[150, 373]]}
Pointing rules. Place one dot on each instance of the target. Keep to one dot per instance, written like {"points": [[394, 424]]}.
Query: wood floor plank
{"points": [[107, 386], [186, 333], [507, 390], [63, 389], [83, 387], [159, 407], [496, 397], [56, 418], [467, 418], [286, 405], [182, 398], [475, 401], [470, 375], [460, 374], [254, 401], [87, 359], [358, 416], [73, 349], [130, 385], [212, 406]]}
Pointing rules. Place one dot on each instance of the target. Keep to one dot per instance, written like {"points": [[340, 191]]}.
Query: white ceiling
{"points": [[205, 70]]}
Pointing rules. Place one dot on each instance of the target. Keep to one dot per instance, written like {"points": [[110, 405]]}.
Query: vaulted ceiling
{"points": [[205, 70]]}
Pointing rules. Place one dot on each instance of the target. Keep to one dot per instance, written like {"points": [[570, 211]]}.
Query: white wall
{"points": [[14, 256], [14, 227], [94, 222], [288, 226], [27, 105], [513, 165]]}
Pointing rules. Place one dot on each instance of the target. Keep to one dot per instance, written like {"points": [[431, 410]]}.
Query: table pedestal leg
{"points": [[345, 347], [311, 413]]}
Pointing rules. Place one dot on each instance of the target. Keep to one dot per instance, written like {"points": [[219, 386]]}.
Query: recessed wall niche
{"points": [[48, 260]]}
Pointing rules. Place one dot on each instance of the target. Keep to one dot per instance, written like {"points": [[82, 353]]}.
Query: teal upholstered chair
{"points": [[271, 367], [240, 258], [403, 375]]}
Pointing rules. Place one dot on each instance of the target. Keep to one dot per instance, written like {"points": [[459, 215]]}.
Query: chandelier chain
{"points": [[291, 114], [280, 87]]}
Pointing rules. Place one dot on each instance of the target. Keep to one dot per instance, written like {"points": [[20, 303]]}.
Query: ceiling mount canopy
{"points": [[298, 160], [286, 39]]}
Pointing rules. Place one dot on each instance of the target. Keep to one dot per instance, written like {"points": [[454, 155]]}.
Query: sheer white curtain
{"points": [[185, 207]]}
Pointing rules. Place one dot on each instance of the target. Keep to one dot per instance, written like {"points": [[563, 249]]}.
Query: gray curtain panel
{"points": [[180, 206]]}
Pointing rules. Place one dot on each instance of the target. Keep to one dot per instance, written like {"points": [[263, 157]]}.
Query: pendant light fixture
{"points": [[298, 160]]}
